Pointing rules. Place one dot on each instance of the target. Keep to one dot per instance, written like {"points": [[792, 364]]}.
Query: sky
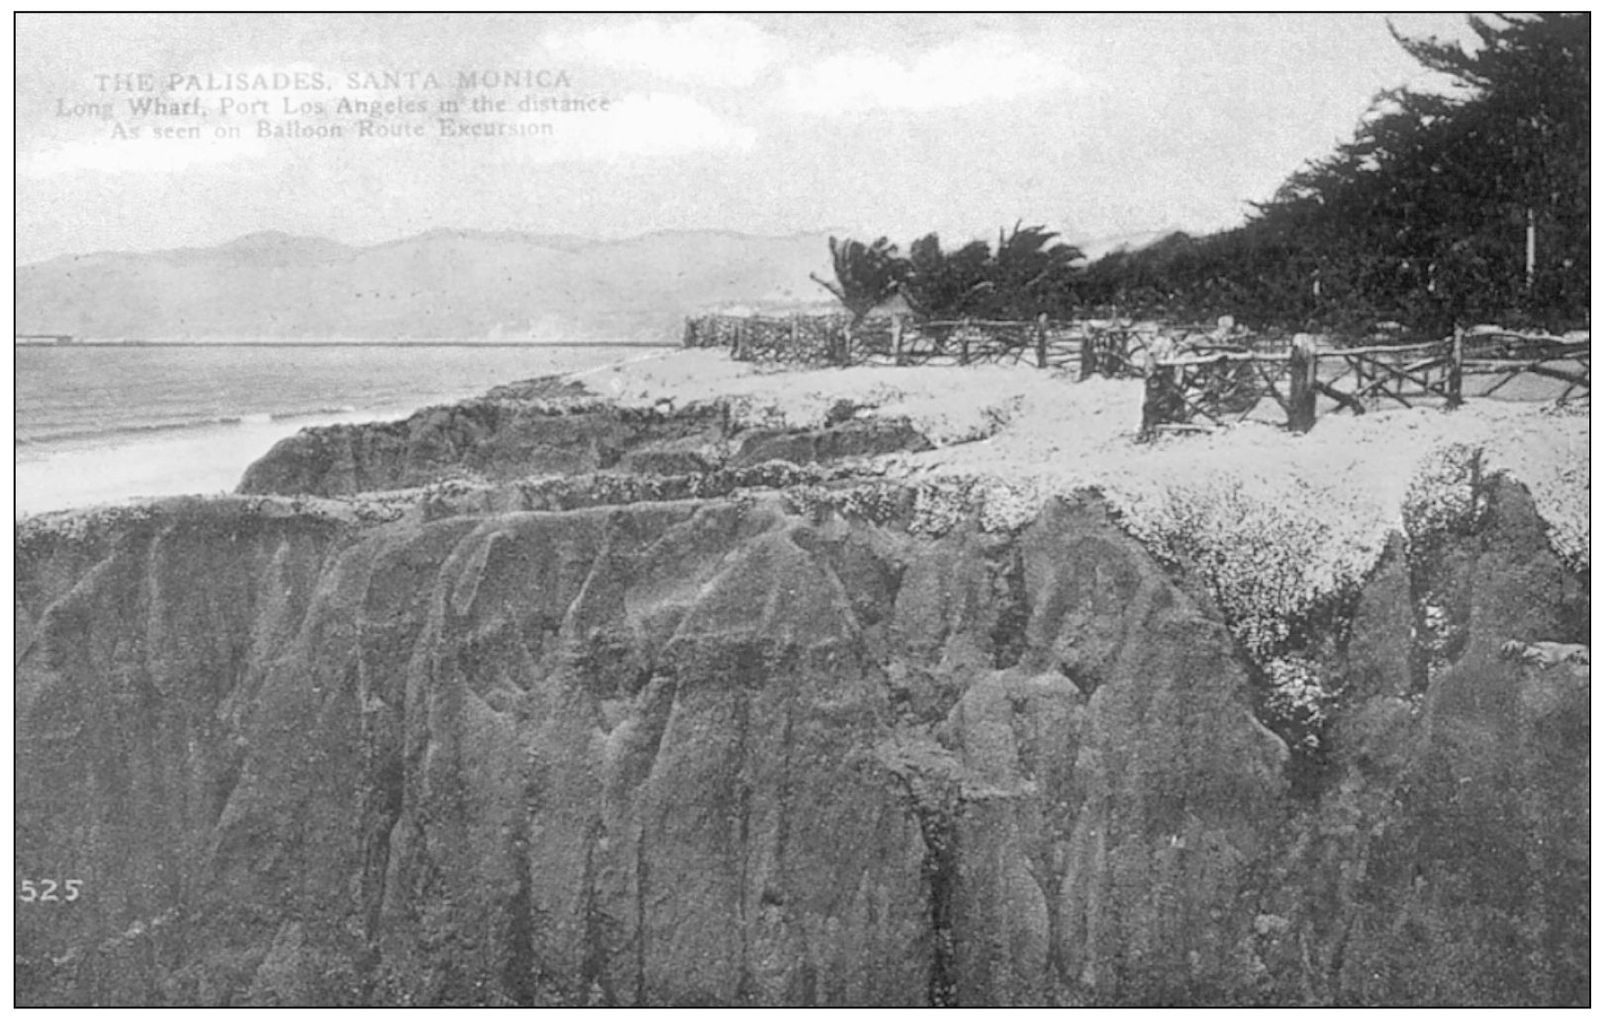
{"points": [[1099, 126]]}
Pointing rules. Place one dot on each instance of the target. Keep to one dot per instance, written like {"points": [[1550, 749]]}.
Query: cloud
{"points": [[648, 124], [136, 156], [710, 49], [986, 68]]}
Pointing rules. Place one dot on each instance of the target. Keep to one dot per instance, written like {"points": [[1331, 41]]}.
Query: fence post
{"points": [[1155, 392], [896, 326], [967, 331], [1304, 366], [1040, 340], [1457, 361], [1149, 397]]}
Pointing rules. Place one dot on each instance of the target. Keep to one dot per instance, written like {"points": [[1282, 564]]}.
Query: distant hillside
{"points": [[461, 284]]}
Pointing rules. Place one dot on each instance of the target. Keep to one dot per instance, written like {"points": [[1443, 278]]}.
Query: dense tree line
{"points": [[1441, 209]]}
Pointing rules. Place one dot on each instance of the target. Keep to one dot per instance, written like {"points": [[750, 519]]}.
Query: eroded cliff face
{"points": [[762, 748]]}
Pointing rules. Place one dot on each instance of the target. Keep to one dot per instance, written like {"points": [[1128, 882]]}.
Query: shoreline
{"points": [[115, 466]]}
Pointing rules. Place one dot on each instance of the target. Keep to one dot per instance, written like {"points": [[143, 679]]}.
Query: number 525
{"points": [[46, 890]]}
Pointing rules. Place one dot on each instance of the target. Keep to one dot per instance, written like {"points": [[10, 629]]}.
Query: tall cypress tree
{"points": [[1425, 214]]}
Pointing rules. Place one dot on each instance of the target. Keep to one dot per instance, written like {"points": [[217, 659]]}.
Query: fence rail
{"points": [[1193, 375], [1091, 347], [1227, 386]]}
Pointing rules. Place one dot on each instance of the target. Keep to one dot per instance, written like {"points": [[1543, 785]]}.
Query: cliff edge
{"points": [[723, 699]]}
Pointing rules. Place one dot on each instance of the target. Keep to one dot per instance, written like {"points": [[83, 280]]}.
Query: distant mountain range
{"points": [[463, 285], [442, 284]]}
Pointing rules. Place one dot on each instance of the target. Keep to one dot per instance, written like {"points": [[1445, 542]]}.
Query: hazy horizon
{"points": [[585, 240]]}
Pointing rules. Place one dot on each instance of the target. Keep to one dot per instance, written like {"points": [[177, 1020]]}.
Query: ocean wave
{"points": [[312, 413], [139, 429]]}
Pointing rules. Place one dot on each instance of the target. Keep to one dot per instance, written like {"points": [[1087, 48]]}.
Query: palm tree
{"points": [[946, 285], [1031, 274], [866, 274]]}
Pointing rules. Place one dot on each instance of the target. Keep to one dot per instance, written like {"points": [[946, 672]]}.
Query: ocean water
{"points": [[96, 425]]}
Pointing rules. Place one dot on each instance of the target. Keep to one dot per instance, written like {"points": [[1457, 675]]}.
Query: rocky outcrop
{"points": [[550, 430], [774, 746]]}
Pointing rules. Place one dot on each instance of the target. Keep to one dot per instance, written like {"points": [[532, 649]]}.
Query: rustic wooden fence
{"points": [[1091, 348], [810, 340], [1194, 376], [1197, 387]]}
